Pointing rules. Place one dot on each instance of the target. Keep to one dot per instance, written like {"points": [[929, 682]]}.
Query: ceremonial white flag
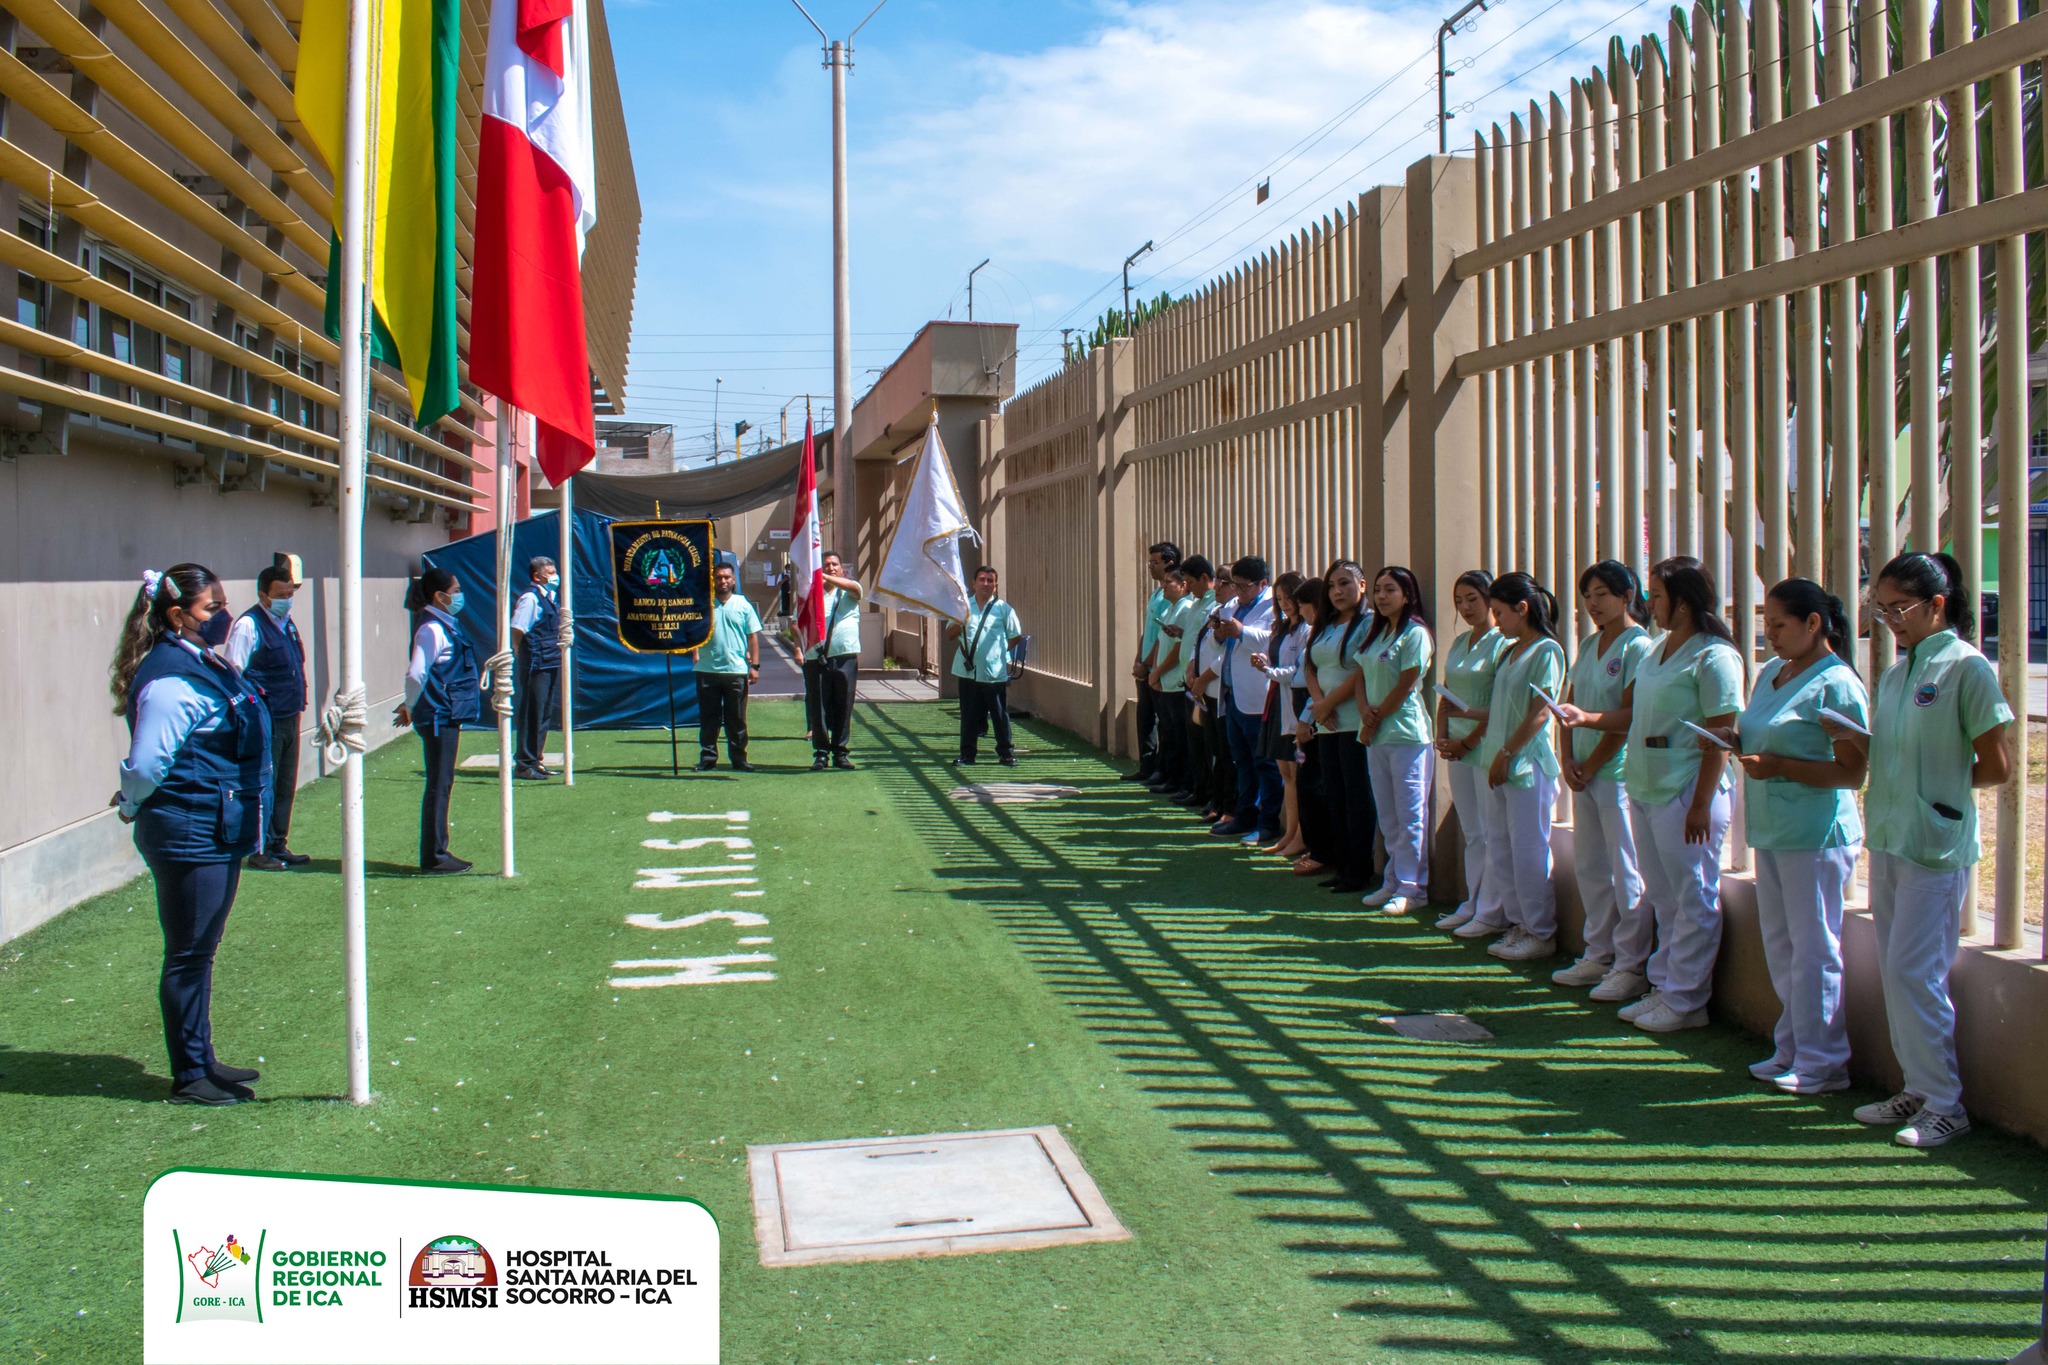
{"points": [[921, 570]]}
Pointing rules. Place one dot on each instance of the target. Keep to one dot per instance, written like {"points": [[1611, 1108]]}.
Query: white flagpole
{"points": [[354, 400], [505, 494], [568, 595]]}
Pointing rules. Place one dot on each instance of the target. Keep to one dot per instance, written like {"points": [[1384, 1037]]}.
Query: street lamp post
{"points": [[1443, 75], [1127, 284]]}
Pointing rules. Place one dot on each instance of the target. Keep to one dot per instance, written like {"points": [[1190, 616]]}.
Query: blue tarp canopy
{"points": [[616, 689]]}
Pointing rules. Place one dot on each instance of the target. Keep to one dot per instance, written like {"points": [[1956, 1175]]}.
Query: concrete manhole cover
{"points": [[1436, 1028], [942, 1194], [1011, 793]]}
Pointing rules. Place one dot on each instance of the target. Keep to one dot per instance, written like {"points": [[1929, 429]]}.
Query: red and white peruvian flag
{"points": [[536, 201], [807, 552]]}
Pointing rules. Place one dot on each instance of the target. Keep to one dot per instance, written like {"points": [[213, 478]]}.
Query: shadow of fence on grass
{"points": [[1570, 1191]]}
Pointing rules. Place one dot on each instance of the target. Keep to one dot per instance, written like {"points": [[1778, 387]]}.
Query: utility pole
{"points": [[1067, 347], [970, 287], [839, 58], [1127, 283], [1443, 76], [716, 386]]}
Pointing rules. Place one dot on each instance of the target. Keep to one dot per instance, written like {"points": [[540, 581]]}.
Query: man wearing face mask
{"points": [[536, 637], [264, 647]]}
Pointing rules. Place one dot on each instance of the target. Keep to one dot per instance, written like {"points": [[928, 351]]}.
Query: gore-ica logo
{"points": [[452, 1272]]}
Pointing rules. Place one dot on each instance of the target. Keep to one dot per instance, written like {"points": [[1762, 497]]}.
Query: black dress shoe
{"points": [[842, 761], [705, 765], [234, 1075], [1009, 762], [529, 775], [263, 862], [206, 1090], [963, 762], [447, 866], [1184, 798], [289, 858], [1136, 775], [740, 765], [818, 763], [1346, 888]]}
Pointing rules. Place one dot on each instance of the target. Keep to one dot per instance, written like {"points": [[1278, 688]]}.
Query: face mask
{"points": [[214, 631], [551, 580], [455, 604], [278, 607]]}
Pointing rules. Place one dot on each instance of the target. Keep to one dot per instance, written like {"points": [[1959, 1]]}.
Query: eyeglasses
{"points": [[1892, 616]]}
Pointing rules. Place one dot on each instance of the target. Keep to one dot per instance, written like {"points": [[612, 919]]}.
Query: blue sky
{"points": [[1053, 136]]}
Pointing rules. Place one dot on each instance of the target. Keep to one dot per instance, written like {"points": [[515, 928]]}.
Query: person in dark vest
{"points": [[264, 646], [536, 638], [193, 786], [442, 691]]}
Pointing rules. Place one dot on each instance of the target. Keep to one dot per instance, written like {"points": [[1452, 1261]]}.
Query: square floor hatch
{"points": [[941, 1194], [1437, 1028]]}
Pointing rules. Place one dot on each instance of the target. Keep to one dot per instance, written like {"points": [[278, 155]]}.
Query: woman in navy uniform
{"points": [[193, 786], [265, 646], [441, 693]]}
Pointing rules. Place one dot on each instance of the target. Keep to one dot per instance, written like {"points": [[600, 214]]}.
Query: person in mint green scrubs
{"points": [[1469, 666], [1678, 785], [1395, 727], [1168, 682], [983, 666], [1617, 930], [728, 662], [1522, 770], [1938, 732], [1332, 721], [1799, 812]]}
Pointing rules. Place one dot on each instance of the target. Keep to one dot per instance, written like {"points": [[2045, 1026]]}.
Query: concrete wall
{"points": [[76, 531]]}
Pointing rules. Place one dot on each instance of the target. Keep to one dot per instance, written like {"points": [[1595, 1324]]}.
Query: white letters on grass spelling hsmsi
{"points": [[698, 971]]}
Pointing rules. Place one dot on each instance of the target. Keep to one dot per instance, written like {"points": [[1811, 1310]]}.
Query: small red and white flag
{"points": [[536, 202], [807, 552]]}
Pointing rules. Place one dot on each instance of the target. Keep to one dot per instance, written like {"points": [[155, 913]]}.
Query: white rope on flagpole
{"points": [[501, 662], [354, 402], [567, 568]]}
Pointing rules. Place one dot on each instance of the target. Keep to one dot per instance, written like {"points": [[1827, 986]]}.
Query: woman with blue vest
{"points": [[1799, 812], [1938, 733], [193, 786], [1522, 770], [265, 647], [1678, 784], [1469, 667], [442, 686], [1618, 930], [1395, 728]]}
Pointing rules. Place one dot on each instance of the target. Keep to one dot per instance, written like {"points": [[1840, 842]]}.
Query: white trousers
{"points": [[1618, 924], [1400, 793], [1919, 914], [1682, 883], [1799, 895], [1468, 795], [1518, 821]]}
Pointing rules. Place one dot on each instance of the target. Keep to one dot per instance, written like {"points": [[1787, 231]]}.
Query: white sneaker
{"points": [[1512, 936], [1379, 897], [1661, 1018], [1620, 985], [1478, 928], [1898, 1109], [1398, 905], [1458, 917], [1587, 971], [1792, 1083], [1770, 1069], [1648, 1002], [1929, 1129], [1527, 948]]}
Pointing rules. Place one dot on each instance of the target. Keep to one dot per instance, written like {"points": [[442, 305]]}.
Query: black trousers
{"points": [[439, 749], [284, 780], [1171, 711], [984, 705], [1149, 736], [192, 904], [1309, 803], [828, 701], [1216, 775], [537, 700], [722, 704], [1348, 805]]}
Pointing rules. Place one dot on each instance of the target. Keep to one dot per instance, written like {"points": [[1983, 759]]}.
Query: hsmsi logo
{"points": [[452, 1272], [218, 1277]]}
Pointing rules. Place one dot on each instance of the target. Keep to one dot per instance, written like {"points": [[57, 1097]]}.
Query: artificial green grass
{"points": [[1302, 1184]]}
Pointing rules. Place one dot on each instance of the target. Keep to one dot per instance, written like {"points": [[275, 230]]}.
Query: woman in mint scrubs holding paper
{"points": [[1678, 786], [1469, 666], [1394, 724], [1938, 732], [1521, 769], [1618, 930], [1799, 812]]}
